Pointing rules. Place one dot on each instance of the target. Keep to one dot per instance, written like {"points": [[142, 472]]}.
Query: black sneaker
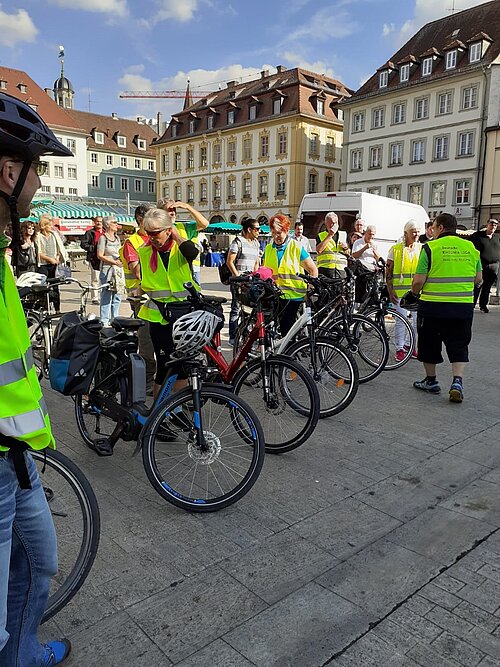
{"points": [[429, 387], [485, 309]]}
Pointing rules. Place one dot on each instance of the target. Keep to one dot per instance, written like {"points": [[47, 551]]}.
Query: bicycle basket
{"points": [[250, 294]]}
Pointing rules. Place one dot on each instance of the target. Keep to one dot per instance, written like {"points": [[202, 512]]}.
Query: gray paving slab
{"points": [[480, 499], [218, 653], [372, 651]]}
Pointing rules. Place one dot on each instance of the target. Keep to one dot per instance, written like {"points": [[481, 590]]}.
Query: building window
{"points": [[123, 162], [94, 181], [404, 73], [358, 122], [394, 191], [330, 149], [264, 145], [328, 183], [203, 156], [192, 125], [356, 159], [151, 187], [71, 144], [282, 143], [469, 97], [121, 141], [416, 193], [166, 191], [151, 165], [190, 158], [58, 171], [177, 161], [314, 145], [174, 130], [320, 107], [178, 193], [438, 194], [109, 160], [124, 184], [383, 79], [441, 146], [165, 163], [217, 153], [399, 113], [231, 151], [444, 103], [210, 122], [418, 150], [110, 182], [462, 192], [374, 190], [247, 187], [73, 191], [375, 157], [45, 188], [396, 154], [137, 185], [252, 112], [247, 149], [277, 105], [203, 191], [231, 188], [263, 182], [94, 158], [475, 52], [190, 193], [216, 189], [422, 108], [451, 59], [98, 137], [231, 117], [280, 185], [427, 66], [465, 143], [378, 118], [141, 144], [137, 163], [59, 190], [72, 173], [313, 182]]}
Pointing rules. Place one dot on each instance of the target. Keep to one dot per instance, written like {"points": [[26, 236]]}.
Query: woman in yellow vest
{"points": [[286, 258], [165, 262], [402, 261]]}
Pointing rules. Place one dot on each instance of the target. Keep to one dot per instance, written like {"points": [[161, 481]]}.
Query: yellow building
{"points": [[254, 149], [490, 200]]}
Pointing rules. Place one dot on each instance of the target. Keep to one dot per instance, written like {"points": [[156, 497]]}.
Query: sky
{"points": [[112, 46]]}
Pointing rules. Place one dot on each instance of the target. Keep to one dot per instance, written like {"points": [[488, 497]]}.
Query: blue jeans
{"points": [[110, 302], [28, 561]]}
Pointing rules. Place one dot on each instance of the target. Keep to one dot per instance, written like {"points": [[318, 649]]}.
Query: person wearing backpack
{"points": [[243, 255], [89, 244]]}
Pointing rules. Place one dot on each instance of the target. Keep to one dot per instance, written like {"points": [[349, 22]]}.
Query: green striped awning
{"points": [[76, 210]]}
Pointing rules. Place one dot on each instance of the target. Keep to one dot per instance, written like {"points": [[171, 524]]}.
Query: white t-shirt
{"points": [[367, 258], [415, 250], [303, 242], [249, 253]]}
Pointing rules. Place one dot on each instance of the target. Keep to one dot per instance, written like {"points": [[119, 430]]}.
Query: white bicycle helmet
{"points": [[31, 278], [192, 331]]}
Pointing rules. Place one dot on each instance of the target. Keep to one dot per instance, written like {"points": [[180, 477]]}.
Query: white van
{"points": [[388, 215]]}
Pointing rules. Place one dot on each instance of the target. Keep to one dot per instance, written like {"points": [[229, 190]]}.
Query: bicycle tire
{"points": [[410, 338], [237, 443], [73, 569], [85, 410], [40, 343], [334, 372], [299, 411]]}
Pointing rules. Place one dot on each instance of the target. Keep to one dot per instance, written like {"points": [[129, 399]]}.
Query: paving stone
{"points": [[478, 448], [440, 534], [490, 572], [453, 648], [217, 654], [448, 583], [305, 628], [480, 499], [280, 565], [346, 527], [196, 612], [486, 596], [466, 574], [372, 651], [420, 627], [439, 596], [488, 662], [419, 605], [476, 616], [426, 656], [395, 634], [447, 471], [380, 576], [448, 621], [484, 641]]}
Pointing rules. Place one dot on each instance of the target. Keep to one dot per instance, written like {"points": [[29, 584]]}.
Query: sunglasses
{"points": [[256, 228], [155, 232], [40, 167]]}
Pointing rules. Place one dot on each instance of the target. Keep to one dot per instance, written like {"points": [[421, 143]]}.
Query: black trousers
{"points": [[482, 291], [49, 270]]}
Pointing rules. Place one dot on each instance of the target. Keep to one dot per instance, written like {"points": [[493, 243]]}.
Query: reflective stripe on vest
{"points": [[17, 369], [285, 274], [405, 266], [131, 282], [331, 256], [452, 272]]}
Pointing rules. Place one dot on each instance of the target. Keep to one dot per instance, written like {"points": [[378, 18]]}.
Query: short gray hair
{"points": [[107, 219], [371, 228], [332, 216], [157, 218]]}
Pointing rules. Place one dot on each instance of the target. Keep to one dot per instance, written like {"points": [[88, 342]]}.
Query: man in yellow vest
{"points": [[331, 248], [447, 270], [28, 550]]}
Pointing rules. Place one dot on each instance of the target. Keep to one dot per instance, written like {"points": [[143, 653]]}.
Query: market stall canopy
{"points": [[76, 210], [226, 227]]}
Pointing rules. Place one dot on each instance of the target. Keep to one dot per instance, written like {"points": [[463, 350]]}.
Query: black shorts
{"points": [[455, 333], [163, 345]]}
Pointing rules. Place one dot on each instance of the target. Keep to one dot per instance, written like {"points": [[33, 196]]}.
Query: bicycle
{"points": [[76, 516], [202, 447]]}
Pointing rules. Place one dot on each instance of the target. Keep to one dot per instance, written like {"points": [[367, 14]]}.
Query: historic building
{"points": [[253, 149], [416, 130]]}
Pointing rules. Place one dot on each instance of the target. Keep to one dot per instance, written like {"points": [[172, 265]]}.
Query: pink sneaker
{"points": [[400, 355], [414, 354]]}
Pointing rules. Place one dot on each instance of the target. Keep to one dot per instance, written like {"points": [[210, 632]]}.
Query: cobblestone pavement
{"points": [[376, 543]]}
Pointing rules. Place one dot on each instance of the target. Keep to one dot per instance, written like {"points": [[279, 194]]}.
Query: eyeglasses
{"points": [[256, 228], [155, 232], [40, 167]]}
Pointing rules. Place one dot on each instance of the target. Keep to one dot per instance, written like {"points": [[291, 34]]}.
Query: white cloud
{"points": [[430, 10], [16, 28], [176, 10], [114, 7], [324, 25], [318, 66], [387, 29]]}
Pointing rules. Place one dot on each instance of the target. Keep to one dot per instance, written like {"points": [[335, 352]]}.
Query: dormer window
{"points": [[192, 126], [277, 102], [404, 73], [3, 84], [383, 79], [141, 144], [475, 52], [174, 130], [427, 66], [320, 106], [451, 59], [231, 116], [99, 137], [34, 107], [252, 112], [23, 88], [121, 141]]}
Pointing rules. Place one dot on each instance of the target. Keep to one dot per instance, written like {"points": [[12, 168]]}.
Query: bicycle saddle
{"points": [[124, 323]]}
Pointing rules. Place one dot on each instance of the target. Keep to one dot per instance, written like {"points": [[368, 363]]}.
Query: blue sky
{"points": [[116, 45]]}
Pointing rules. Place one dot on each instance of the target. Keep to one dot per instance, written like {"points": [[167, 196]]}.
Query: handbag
{"points": [[63, 271], [224, 271]]}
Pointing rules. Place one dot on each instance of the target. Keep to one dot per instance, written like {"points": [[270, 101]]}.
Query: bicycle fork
{"points": [[197, 415]]}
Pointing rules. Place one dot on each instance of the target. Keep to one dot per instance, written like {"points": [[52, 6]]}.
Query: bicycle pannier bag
{"points": [[74, 354]]}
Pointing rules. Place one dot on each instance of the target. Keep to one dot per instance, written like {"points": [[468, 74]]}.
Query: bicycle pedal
{"points": [[103, 447]]}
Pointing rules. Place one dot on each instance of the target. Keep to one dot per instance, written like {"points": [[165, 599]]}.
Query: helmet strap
{"points": [[12, 200]]}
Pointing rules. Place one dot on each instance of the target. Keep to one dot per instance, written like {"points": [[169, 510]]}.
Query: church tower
{"points": [[63, 90]]}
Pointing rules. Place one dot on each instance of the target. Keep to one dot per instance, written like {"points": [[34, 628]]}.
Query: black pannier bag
{"points": [[74, 354]]}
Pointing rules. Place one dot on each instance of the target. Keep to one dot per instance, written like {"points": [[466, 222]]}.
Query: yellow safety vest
{"points": [[285, 275], [164, 285], [404, 267], [23, 413], [131, 282], [332, 256], [452, 271]]}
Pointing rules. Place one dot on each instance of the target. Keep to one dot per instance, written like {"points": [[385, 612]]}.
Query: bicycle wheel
{"points": [[196, 480], [284, 396], [40, 342], [91, 421], [75, 512], [333, 370], [390, 321]]}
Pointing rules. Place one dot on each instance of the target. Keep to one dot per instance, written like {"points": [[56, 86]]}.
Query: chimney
{"points": [[231, 84], [264, 73], [114, 115], [159, 122], [280, 68]]}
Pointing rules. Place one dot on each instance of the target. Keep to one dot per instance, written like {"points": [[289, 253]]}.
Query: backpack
{"points": [[224, 270]]}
